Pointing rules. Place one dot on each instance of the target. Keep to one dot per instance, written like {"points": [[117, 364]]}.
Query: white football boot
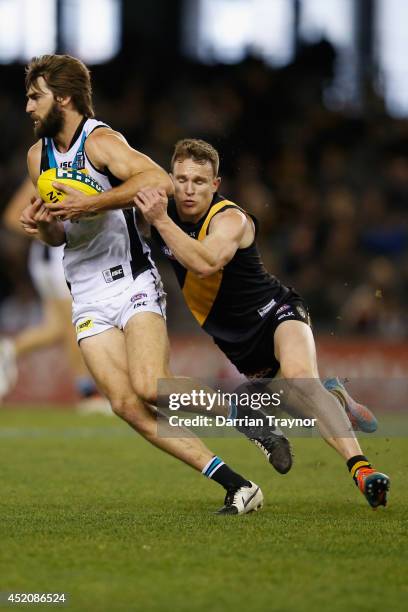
{"points": [[243, 500], [8, 367]]}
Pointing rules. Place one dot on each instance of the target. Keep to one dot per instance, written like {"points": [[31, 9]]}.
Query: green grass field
{"points": [[90, 509]]}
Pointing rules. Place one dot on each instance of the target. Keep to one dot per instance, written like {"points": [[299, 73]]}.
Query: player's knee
{"points": [[130, 410], [295, 370]]}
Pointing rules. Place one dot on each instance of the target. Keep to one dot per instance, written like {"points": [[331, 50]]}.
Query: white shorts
{"points": [[145, 294], [47, 271]]}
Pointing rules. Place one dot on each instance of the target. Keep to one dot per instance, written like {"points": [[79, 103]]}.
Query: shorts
{"points": [[255, 358], [47, 271], [145, 294]]}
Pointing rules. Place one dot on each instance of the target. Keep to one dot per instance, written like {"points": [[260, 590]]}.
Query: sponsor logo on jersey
{"points": [[283, 308], [137, 297], [113, 274], [302, 312], [265, 309], [84, 326], [139, 304], [79, 162], [286, 314], [138, 300]]}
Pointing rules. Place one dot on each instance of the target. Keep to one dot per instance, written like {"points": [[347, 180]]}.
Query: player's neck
{"points": [[63, 140], [193, 219]]}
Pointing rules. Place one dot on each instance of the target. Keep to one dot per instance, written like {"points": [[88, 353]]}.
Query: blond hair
{"points": [[197, 150]]}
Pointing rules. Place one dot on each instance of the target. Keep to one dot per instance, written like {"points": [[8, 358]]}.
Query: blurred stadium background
{"points": [[307, 102]]}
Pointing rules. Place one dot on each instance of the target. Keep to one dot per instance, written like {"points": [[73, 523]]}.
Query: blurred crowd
{"points": [[329, 187]]}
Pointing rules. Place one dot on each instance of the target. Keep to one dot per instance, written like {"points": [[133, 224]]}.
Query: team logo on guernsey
{"points": [[80, 160], [84, 326]]}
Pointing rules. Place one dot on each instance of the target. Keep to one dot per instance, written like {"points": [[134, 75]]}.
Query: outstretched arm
{"points": [[108, 150], [204, 257]]}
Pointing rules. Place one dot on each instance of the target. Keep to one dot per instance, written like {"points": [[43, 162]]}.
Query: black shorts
{"points": [[256, 357]]}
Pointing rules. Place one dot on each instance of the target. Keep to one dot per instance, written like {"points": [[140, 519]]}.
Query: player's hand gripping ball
{"points": [[77, 179]]}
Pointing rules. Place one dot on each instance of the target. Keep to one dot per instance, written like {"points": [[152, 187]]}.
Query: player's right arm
{"points": [[36, 218], [229, 230]]}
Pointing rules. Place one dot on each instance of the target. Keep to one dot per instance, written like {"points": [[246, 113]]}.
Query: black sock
{"points": [[357, 462], [217, 470]]}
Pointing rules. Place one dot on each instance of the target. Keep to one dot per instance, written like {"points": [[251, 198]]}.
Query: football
{"points": [[78, 179]]}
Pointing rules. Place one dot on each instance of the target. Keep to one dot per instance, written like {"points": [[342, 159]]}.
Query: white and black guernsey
{"points": [[104, 253]]}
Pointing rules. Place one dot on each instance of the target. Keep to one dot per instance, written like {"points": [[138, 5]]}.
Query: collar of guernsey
{"points": [[200, 293], [78, 161]]}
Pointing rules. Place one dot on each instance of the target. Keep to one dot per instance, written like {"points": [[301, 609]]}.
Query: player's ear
{"points": [[63, 100], [217, 183]]}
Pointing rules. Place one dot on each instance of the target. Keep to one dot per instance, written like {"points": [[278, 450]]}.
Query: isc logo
{"points": [[66, 164]]}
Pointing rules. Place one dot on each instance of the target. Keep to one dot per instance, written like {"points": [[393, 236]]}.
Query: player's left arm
{"points": [[108, 150]]}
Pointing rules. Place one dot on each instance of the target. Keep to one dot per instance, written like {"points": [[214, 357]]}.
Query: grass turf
{"points": [[90, 509]]}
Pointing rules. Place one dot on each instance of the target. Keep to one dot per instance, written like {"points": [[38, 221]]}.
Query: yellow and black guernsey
{"points": [[234, 304]]}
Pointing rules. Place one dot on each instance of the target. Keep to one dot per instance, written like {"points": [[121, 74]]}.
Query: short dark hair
{"points": [[65, 76], [197, 150]]}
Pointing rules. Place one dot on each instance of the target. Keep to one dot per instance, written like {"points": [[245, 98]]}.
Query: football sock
{"points": [[217, 470], [357, 462]]}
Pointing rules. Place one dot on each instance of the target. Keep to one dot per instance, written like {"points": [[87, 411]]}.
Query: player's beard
{"points": [[52, 123]]}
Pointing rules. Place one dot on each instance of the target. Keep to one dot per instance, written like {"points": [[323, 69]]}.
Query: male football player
{"points": [[262, 326], [118, 301]]}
